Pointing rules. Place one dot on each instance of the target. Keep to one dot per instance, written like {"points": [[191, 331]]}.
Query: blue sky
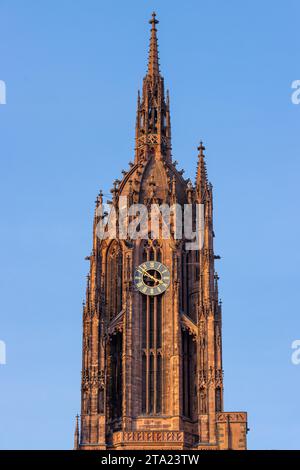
{"points": [[72, 71]]}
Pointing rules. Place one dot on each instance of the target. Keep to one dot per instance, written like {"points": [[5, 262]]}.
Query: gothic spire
{"points": [[76, 434], [153, 125], [153, 64], [201, 177]]}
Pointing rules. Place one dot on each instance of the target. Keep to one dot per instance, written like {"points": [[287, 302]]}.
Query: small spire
{"points": [[99, 199], [76, 434], [88, 290], [216, 277], [153, 65], [201, 177]]}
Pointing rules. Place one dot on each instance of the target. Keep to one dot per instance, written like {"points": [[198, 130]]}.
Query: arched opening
{"points": [[116, 389], [151, 354], [152, 360], [114, 280], [218, 400], [187, 374]]}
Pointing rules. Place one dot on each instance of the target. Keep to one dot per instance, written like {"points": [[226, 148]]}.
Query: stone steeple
{"points": [[153, 124], [153, 62], [152, 373]]}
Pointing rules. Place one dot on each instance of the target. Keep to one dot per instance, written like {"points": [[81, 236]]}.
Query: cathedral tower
{"points": [[152, 373]]}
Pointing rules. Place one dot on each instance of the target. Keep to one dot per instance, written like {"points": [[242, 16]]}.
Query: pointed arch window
{"points": [[218, 399], [101, 400], [152, 355], [114, 280], [159, 383], [188, 268], [197, 265], [186, 278], [152, 359], [116, 388], [151, 254], [187, 374]]}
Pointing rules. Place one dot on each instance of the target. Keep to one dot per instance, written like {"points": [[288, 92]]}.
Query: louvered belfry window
{"points": [[114, 279], [152, 360]]}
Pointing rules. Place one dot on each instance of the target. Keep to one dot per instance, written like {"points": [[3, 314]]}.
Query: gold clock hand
{"points": [[158, 280], [151, 277], [145, 273]]}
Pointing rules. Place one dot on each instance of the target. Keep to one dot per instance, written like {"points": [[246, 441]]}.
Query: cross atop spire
{"points": [[153, 20], [153, 65], [201, 149]]}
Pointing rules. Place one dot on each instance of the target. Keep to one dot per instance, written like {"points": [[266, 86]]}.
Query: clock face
{"points": [[152, 278]]}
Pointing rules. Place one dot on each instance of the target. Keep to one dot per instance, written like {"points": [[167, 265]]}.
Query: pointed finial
{"points": [[189, 183], [153, 20], [114, 189], [201, 176], [99, 199], [76, 433], [153, 65], [201, 149]]}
